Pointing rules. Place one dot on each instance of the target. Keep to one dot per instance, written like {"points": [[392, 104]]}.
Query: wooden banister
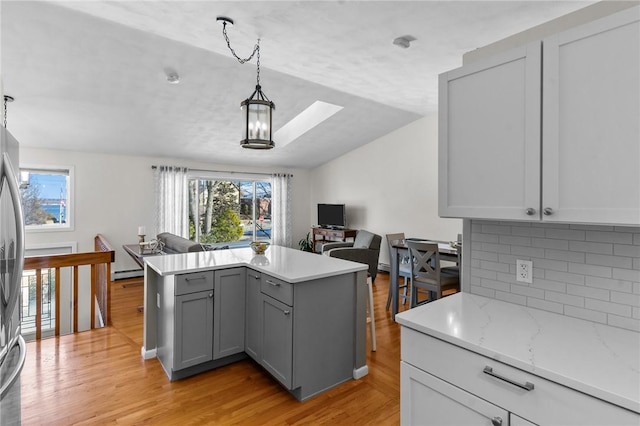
{"points": [[100, 262]]}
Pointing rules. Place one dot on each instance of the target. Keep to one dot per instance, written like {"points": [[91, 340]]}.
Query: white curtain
{"points": [[281, 209], [171, 200]]}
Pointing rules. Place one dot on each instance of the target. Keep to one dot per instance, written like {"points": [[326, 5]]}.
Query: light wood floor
{"points": [[99, 377]]}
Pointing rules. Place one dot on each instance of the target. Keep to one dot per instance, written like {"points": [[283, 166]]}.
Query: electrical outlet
{"points": [[524, 271]]}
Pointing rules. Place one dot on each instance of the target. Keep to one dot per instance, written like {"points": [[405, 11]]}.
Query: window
{"points": [[234, 211], [46, 197]]}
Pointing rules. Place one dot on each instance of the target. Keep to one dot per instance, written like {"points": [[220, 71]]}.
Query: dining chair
{"points": [[455, 268], [427, 273], [404, 270]]}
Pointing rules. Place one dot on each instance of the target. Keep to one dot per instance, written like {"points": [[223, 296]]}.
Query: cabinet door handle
{"points": [[273, 283], [210, 295], [496, 421], [530, 211], [548, 211], [527, 385], [286, 312]]}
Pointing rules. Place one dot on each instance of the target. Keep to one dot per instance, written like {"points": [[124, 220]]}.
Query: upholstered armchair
{"points": [[365, 248]]}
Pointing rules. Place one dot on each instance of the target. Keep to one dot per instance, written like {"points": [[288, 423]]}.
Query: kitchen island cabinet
{"points": [[299, 315], [501, 362], [561, 115]]}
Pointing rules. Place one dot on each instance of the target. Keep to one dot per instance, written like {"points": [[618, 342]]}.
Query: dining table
{"points": [[399, 249]]}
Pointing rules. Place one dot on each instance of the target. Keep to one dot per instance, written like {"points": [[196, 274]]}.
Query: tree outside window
{"points": [[228, 211]]}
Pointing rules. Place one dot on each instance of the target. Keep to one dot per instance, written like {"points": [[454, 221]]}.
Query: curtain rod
{"points": [[227, 171]]}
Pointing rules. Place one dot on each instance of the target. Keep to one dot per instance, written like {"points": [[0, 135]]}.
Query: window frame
{"points": [[70, 199]]}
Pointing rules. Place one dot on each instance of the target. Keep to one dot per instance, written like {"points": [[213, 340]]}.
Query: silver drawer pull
{"points": [[273, 283], [527, 385], [286, 312], [195, 279]]}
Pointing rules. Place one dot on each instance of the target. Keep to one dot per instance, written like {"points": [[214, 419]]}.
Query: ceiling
{"points": [[92, 75]]}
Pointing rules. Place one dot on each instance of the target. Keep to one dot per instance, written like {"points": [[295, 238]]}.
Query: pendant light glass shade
{"points": [[256, 113]]}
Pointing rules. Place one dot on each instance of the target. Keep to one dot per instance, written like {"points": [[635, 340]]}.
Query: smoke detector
{"points": [[404, 41]]}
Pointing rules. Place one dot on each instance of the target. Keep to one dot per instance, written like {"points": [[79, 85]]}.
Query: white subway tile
{"points": [[549, 243], [527, 251], [512, 298], [609, 237], [481, 273], [623, 322], [593, 227], [527, 231], [591, 292], [475, 263], [591, 247], [548, 225], [481, 291], [494, 266], [515, 240], [626, 274], [550, 285], [475, 280], [484, 255], [506, 278], [497, 248], [565, 299], [495, 285], [496, 229], [613, 261], [567, 256], [632, 229], [564, 277], [545, 305], [625, 298], [636, 313], [609, 284], [636, 264], [550, 264], [527, 291], [507, 258], [485, 238], [636, 239], [586, 314], [565, 234], [626, 250], [593, 270], [608, 307]]}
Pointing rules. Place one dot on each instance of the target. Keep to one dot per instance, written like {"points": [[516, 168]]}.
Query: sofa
{"points": [[173, 243]]}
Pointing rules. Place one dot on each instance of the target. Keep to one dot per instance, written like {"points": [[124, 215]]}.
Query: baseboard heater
{"points": [[131, 273]]}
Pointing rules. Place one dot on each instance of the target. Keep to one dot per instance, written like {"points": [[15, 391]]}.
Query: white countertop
{"points": [[280, 262], [593, 358]]}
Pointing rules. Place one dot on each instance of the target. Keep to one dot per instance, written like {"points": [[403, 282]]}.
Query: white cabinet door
{"points": [[427, 400], [489, 137], [591, 122]]}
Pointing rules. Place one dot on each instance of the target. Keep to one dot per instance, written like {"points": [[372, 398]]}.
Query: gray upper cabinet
{"points": [[229, 312], [549, 131], [253, 318]]}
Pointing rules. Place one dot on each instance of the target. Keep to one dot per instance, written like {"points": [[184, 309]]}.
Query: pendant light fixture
{"points": [[257, 108], [7, 99]]}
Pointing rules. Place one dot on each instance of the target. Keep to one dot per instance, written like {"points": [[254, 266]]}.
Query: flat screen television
{"points": [[332, 216]]}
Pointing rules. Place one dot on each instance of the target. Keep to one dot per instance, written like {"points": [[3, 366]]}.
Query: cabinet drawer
{"points": [[547, 403], [277, 289], [196, 281]]}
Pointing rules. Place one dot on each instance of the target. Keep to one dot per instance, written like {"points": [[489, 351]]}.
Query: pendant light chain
{"points": [[256, 50], [6, 99]]}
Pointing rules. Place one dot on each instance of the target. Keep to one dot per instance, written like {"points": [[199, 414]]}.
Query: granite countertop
{"points": [[280, 262], [593, 358]]}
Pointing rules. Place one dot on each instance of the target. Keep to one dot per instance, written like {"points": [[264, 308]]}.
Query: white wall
{"points": [[389, 185], [114, 195]]}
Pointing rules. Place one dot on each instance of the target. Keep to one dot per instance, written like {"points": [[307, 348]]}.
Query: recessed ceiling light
{"points": [[308, 119]]}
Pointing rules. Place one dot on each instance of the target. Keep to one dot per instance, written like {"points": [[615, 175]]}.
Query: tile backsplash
{"points": [[582, 271]]}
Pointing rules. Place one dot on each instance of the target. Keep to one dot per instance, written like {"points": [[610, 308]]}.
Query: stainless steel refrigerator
{"points": [[12, 346]]}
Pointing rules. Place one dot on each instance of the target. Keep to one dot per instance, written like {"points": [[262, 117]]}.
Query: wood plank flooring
{"points": [[99, 377]]}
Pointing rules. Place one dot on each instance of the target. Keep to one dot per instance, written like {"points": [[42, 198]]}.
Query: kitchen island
{"points": [[299, 315], [494, 360]]}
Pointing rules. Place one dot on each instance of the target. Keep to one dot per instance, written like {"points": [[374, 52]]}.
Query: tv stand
{"points": [[322, 236]]}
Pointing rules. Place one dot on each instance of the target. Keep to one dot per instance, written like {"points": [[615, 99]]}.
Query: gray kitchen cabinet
{"points": [[547, 131], [253, 319], [229, 312], [277, 339], [185, 321]]}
